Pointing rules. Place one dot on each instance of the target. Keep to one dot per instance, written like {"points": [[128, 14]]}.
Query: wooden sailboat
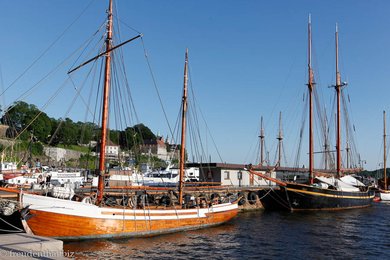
{"points": [[384, 193], [320, 193], [74, 220]]}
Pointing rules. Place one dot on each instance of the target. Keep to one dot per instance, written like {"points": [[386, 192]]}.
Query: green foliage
{"points": [[67, 133], [114, 136], [87, 161], [36, 149], [30, 124], [87, 132], [132, 137], [83, 149], [24, 119]]}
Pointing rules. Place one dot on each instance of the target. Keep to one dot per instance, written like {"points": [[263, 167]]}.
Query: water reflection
{"points": [[265, 235]]}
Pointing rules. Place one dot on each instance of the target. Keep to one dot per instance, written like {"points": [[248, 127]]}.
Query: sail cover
{"points": [[352, 181], [339, 184]]}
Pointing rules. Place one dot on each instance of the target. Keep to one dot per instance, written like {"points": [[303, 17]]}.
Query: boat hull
{"points": [[70, 220], [11, 223], [293, 197], [384, 195]]}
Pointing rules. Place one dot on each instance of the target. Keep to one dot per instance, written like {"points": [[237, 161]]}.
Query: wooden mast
{"points": [[261, 142], [106, 92], [338, 92], [384, 149], [310, 85], [326, 146], [183, 130], [280, 140]]}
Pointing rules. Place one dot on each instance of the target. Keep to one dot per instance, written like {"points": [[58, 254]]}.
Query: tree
{"points": [[115, 136], [132, 137], [23, 118], [87, 132], [67, 132]]}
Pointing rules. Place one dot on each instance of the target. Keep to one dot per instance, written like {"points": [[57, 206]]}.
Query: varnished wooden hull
{"points": [[69, 220], [304, 197]]}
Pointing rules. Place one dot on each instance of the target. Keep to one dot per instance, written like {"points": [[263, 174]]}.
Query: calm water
{"points": [[352, 234]]}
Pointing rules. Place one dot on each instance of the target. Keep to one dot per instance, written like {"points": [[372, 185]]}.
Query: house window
{"points": [[226, 175]]}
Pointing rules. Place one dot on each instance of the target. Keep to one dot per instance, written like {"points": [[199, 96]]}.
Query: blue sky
{"points": [[247, 58]]}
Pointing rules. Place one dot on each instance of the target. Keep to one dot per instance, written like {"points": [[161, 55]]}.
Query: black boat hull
{"points": [[11, 223], [294, 197]]}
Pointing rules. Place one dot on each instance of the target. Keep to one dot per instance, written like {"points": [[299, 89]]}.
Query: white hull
{"points": [[384, 195], [61, 177], [82, 209]]}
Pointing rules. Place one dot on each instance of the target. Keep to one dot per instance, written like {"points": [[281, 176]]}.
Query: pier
{"points": [[25, 246]]}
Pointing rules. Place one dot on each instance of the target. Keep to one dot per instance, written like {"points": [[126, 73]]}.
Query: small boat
{"points": [[321, 193], [95, 217], [45, 176], [9, 170], [168, 177]]}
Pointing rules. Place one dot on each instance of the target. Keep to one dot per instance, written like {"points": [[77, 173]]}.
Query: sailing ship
{"points": [[86, 219], [321, 193], [384, 194]]}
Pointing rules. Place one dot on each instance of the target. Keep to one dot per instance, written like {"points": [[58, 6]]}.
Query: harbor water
{"points": [[348, 234]]}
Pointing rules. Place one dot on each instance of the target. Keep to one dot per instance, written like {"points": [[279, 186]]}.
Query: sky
{"points": [[248, 59]]}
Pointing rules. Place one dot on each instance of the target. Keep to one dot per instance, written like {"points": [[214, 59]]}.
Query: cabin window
{"points": [[226, 175]]}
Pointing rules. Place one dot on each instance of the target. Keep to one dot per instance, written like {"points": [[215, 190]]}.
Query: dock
{"points": [[25, 246]]}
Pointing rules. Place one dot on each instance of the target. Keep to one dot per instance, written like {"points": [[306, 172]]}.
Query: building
{"points": [[230, 174], [159, 148], [112, 150]]}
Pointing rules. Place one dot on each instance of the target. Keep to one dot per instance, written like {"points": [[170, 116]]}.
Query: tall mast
{"points": [[338, 92], [261, 142], [183, 130], [347, 148], [384, 149], [280, 139], [310, 86], [326, 146], [106, 92]]}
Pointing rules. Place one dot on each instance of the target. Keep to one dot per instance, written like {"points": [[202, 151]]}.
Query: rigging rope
{"points": [[48, 48]]}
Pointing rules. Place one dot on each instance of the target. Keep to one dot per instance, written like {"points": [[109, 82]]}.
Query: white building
{"points": [[112, 150]]}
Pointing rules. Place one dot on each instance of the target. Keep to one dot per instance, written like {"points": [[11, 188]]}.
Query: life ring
{"points": [[242, 199], [215, 199], [165, 200], [87, 200], [125, 201], [110, 201], [230, 197], [214, 196], [252, 197], [150, 198], [174, 193], [93, 197]]}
